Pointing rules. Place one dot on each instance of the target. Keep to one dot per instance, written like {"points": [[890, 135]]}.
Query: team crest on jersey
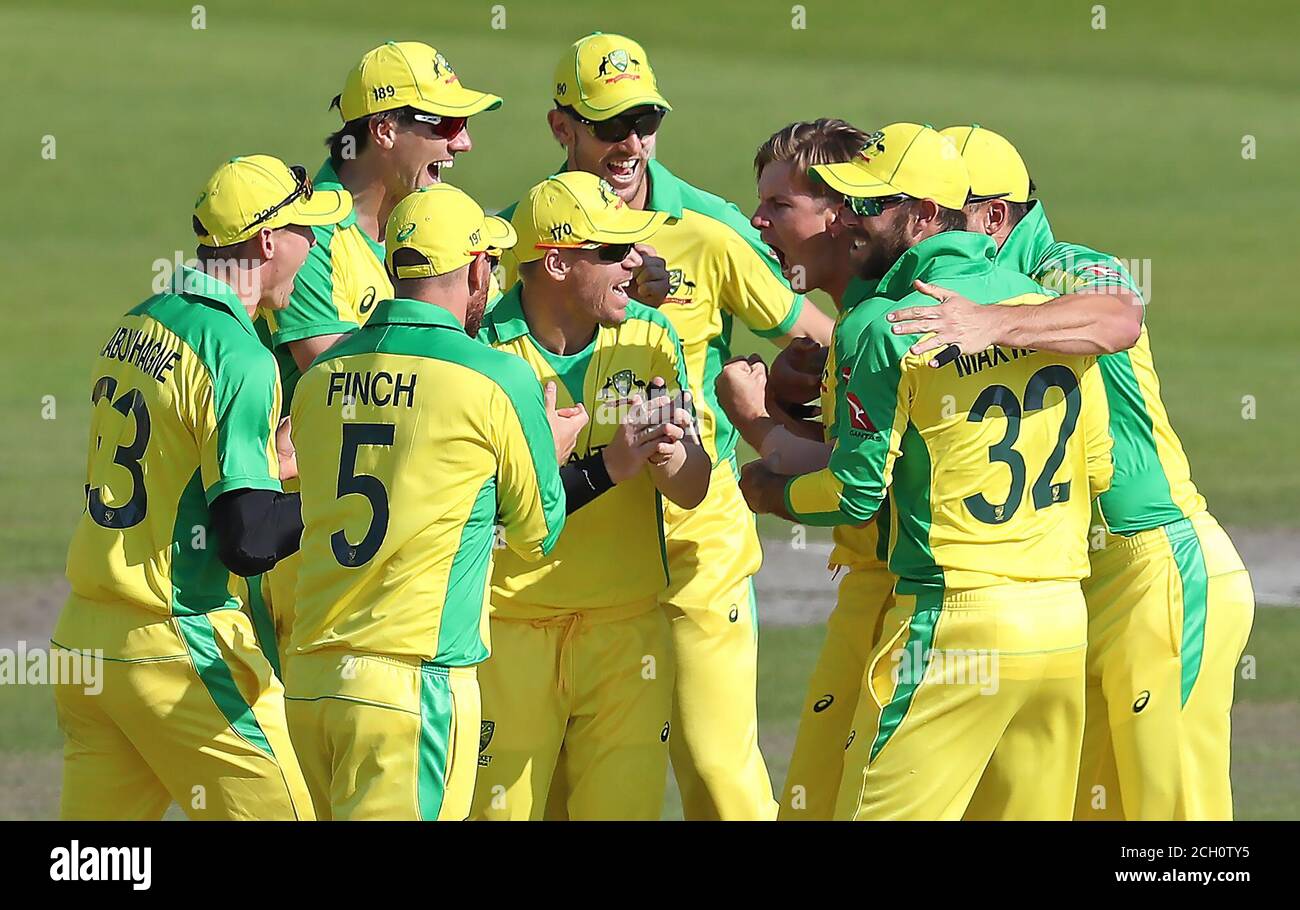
{"points": [[485, 731], [858, 417], [680, 288], [620, 61], [621, 385]]}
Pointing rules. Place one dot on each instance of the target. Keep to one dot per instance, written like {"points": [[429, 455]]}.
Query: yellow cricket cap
{"points": [[996, 169], [601, 76], [575, 209], [903, 158], [253, 192], [408, 74], [446, 227]]}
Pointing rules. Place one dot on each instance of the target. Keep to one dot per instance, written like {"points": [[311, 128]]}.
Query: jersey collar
{"points": [[951, 254], [1027, 242], [507, 317], [194, 283], [328, 179], [665, 190], [404, 311]]}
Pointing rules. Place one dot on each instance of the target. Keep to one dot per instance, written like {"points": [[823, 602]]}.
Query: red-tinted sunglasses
{"points": [[443, 127]]}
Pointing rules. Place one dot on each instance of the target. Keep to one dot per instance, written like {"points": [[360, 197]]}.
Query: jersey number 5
{"points": [[369, 486], [1045, 493]]}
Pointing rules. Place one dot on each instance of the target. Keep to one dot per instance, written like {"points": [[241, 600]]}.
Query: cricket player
{"points": [[183, 488], [419, 439], [812, 231], [405, 119], [608, 109], [581, 670], [973, 701], [1170, 602]]}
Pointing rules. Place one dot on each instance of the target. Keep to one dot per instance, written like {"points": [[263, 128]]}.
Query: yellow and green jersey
{"points": [[335, 291], [990, 462], [855, 546], [185, 401], [1153, 481], [417, 440], [720, 271], [612, 551]]}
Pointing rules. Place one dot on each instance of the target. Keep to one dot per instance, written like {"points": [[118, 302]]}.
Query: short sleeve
{"points": [[238, 413]]}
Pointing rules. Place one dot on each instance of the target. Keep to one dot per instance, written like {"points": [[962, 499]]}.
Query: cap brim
{"points": [[852, 179], [458, 101], [499, 234], [324, 207], [632, 226], [626, 104]]}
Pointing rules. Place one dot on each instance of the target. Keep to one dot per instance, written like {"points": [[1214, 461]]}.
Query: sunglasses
{"points": [[869, 208], [443, 127], [302, 190], [605, 252], [616, 129]]}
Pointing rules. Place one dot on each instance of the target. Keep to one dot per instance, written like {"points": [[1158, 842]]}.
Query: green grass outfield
{"points": [[1134, 134], [1266, 723]]}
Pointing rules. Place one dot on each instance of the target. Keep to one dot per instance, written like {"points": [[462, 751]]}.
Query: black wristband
{"points": [[584, 480]]}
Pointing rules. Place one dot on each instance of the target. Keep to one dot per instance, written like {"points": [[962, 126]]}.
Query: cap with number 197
{"points": [[446, 228]]}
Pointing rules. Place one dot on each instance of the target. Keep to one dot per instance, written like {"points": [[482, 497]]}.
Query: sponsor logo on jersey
{"points": [[1142, 699], [858, 417], [823, 703]]}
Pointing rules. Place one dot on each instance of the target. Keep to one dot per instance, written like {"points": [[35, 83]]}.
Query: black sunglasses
{"points": [[613, 252], [616, 129], [303, 190], [605, 252]]}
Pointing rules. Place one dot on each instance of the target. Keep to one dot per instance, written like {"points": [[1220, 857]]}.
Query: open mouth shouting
{"points": [[623, 173], [619, 291], [434, 169]]}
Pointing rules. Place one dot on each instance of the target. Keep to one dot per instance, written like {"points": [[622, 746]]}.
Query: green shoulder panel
{"points": [[244, 379], [312, 310], [1067, 268], [510, 373]]}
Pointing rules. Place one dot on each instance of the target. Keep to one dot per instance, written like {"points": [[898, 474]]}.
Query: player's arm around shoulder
{"points": [[530, 495], [682, 476], [1086, 319]]}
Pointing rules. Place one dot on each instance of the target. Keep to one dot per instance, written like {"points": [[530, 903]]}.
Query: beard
{"points": [[474, 312], [884, 249]]}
